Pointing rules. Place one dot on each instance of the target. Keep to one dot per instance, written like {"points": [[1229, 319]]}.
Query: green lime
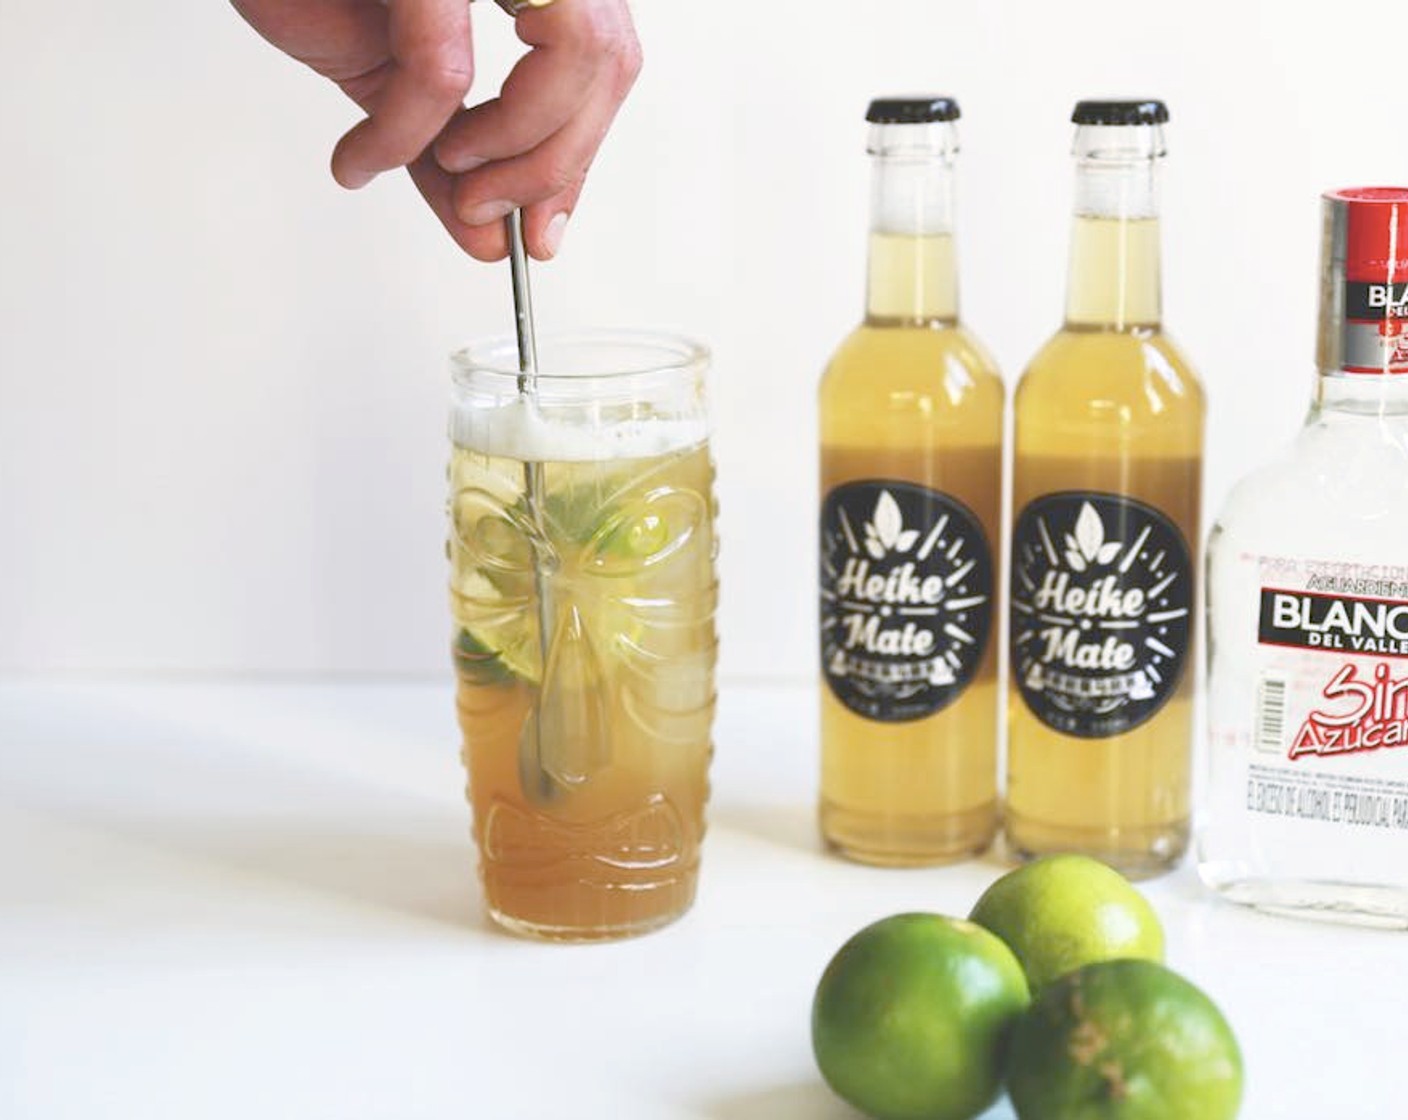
{"points": [[1061, 912], [636, 536], [498, 639], [477, 663], [911, 1018], [575, 510], [612, 522], [1124, 1040]]}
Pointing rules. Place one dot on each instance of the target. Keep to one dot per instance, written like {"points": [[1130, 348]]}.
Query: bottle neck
{"points": [[912, 275], [1114, 279], [1363, 395]]}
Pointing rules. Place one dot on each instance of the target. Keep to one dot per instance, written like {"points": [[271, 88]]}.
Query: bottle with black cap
{"points": [[911, 410], [1108, 435]]}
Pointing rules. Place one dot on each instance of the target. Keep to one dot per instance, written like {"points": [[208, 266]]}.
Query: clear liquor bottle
{"points": [[911, 410], [1108, 436], [1307, 801]]}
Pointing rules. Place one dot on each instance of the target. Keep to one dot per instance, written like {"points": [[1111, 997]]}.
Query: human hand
{"points": [[531, 146], [409, 65]]}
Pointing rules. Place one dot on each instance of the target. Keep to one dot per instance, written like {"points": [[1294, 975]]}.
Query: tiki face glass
{"points": [[583, 640]]}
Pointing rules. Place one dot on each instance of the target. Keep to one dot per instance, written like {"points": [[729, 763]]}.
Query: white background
{"points": [[222, 379], [222, 392]]}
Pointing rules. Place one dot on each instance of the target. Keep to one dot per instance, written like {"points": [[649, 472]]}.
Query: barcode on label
{"points": [[1271, 714]]}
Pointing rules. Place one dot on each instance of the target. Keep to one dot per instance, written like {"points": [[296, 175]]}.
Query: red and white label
{"points": [[1355, 712]]}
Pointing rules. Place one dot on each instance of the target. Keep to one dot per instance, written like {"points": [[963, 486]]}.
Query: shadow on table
{"points": [[805, 1100], [785, 826], [231, 818], [795, 827], [405, 871]]}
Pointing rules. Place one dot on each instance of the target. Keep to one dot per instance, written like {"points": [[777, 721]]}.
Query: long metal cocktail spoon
{"points": [[566, 737], [538, 784]]}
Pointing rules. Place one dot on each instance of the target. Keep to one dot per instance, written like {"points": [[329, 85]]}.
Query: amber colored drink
{"points": [[587, 765], [911, 478], [1106, 493]]}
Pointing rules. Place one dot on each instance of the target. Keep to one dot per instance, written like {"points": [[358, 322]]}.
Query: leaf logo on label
{"points": [[906, 598], [885, 531], [1087, 546]]}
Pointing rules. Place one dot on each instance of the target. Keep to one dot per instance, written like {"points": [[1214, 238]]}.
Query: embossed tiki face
{"points": [[583, 592], [625, 555], [621, 558]]}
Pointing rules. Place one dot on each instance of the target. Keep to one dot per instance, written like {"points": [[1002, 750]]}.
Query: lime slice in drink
{"points": [[498, 639], [636, 537], [630, 527], [602, 550], [477, 663]]}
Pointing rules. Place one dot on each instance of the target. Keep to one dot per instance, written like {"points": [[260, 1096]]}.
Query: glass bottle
{"points": [[911, 481], [1307, 801], [1108, 437]]}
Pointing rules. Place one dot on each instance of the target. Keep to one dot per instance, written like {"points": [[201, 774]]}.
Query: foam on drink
{"points": [[520, 429]]}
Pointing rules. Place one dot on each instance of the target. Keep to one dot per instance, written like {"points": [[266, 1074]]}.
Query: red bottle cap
{"points": [[1376, 238]]}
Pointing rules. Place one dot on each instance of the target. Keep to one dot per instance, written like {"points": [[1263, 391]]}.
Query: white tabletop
{"points": [[258, 900]]}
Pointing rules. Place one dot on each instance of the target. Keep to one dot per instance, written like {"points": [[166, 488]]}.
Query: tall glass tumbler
{"points": [[583, 591]]}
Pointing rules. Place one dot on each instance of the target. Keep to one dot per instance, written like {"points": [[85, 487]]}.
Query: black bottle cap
{"points": [[912, 110], [1145, 111]]}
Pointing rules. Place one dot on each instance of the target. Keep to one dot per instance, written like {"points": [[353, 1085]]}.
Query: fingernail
{"points": [[552, 235], [354, 179], [458, 164], [485, 212]]}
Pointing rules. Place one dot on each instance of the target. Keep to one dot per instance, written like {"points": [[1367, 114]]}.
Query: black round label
{"points": [[1102, 592], [906, 598]]}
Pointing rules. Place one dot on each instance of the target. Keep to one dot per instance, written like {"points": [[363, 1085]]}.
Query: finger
{"points": [[545, 223], [432, 70], [485, 243], [537, 99], [573, 44], [554, 167]]}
